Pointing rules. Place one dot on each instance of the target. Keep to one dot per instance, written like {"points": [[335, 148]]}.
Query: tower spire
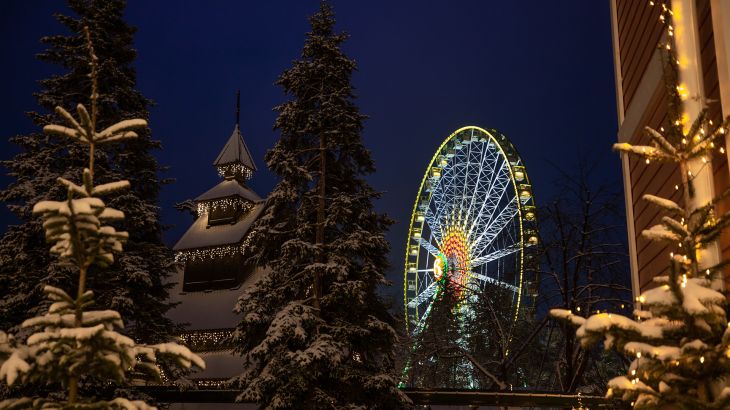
{"points": [[235, 160], [238, 107]]}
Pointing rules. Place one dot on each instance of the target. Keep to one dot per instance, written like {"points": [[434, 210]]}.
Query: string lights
{"points": [[212, 384], [207, 340], [235, 169], [213, 252], [224, 203], [682, 314]]}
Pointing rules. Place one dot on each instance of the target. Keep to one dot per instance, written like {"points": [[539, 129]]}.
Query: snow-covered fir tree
{"points": [[437, 359], [502, 349], [135, 284], [314, 331], [70, 346], [680, 337]]}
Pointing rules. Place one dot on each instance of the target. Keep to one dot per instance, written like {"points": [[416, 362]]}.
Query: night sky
{"points": [[540, 72]]}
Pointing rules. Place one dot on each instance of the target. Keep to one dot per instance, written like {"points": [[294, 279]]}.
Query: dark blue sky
{"points": [[539, 71]]}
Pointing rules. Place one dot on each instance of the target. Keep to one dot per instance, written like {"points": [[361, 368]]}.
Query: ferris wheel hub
{"points": [[473, 222]]}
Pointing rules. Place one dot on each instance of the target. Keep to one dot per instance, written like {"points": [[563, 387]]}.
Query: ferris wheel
{"points": [[473, 223]]}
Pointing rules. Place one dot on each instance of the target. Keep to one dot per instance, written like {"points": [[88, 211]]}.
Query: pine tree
{"points": [[497, 339], [314, 331], [680, 339], [71, 345], [437, 360], [135, 284]]}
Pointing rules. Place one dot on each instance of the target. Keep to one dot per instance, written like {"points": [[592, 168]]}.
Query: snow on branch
{"points": [[642, 150], [68, 344], [664, 203], [105, 189], [665, 145], [120, 130], [65, 131], [13, 368], [567, 315], [660, 233]]}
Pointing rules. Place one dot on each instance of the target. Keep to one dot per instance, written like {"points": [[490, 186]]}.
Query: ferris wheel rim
{"points": [[512, 160]]}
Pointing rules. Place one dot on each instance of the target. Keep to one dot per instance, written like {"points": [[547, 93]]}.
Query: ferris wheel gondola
{"points": [[473, 220]]}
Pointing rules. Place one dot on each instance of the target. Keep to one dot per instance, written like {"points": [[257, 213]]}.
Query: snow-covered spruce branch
{"points": [[69, 344], [680, 339]]}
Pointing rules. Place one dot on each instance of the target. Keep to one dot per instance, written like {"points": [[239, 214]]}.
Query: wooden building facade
{"points": [[637, 31]]}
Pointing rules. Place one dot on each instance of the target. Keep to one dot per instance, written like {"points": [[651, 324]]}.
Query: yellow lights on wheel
{"points": [[530, 213], [525, 193], [413, 251], [453, 237]]}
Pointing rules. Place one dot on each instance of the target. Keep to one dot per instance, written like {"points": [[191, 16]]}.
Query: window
{"points": [[213, 274]]}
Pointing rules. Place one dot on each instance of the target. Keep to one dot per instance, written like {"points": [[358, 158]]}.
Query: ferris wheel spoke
{"points": [[467, 189], [498, 187], [423, 296], [468, 211], [487, 279], [500, 253], [502, 220], [422, 320], [427, 246], [444, 195], [487, 168]]}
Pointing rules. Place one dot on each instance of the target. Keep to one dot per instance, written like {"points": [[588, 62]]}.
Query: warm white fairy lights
{"points": [[212, 384], [207, 340], [224, 203], [213, 252], [235, 169]]}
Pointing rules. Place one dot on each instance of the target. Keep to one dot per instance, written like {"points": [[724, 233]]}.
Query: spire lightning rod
{"points": [[238, 106]]}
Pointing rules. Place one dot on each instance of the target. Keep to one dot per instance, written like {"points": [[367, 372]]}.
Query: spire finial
{"points": [[238, 107]]}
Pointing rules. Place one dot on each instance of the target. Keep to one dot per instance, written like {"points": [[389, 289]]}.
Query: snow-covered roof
{"points": [[235, 151], [229, 187], [199, 235]]}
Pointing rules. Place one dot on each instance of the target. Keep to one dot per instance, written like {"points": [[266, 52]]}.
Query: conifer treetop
{"points": [[69, 345], [332, 348]]}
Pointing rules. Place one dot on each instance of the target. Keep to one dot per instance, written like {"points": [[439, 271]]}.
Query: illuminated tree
{"points": [[680, 337]]}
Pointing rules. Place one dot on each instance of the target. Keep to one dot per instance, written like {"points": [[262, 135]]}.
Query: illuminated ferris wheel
{"points": [[473, 223]]}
